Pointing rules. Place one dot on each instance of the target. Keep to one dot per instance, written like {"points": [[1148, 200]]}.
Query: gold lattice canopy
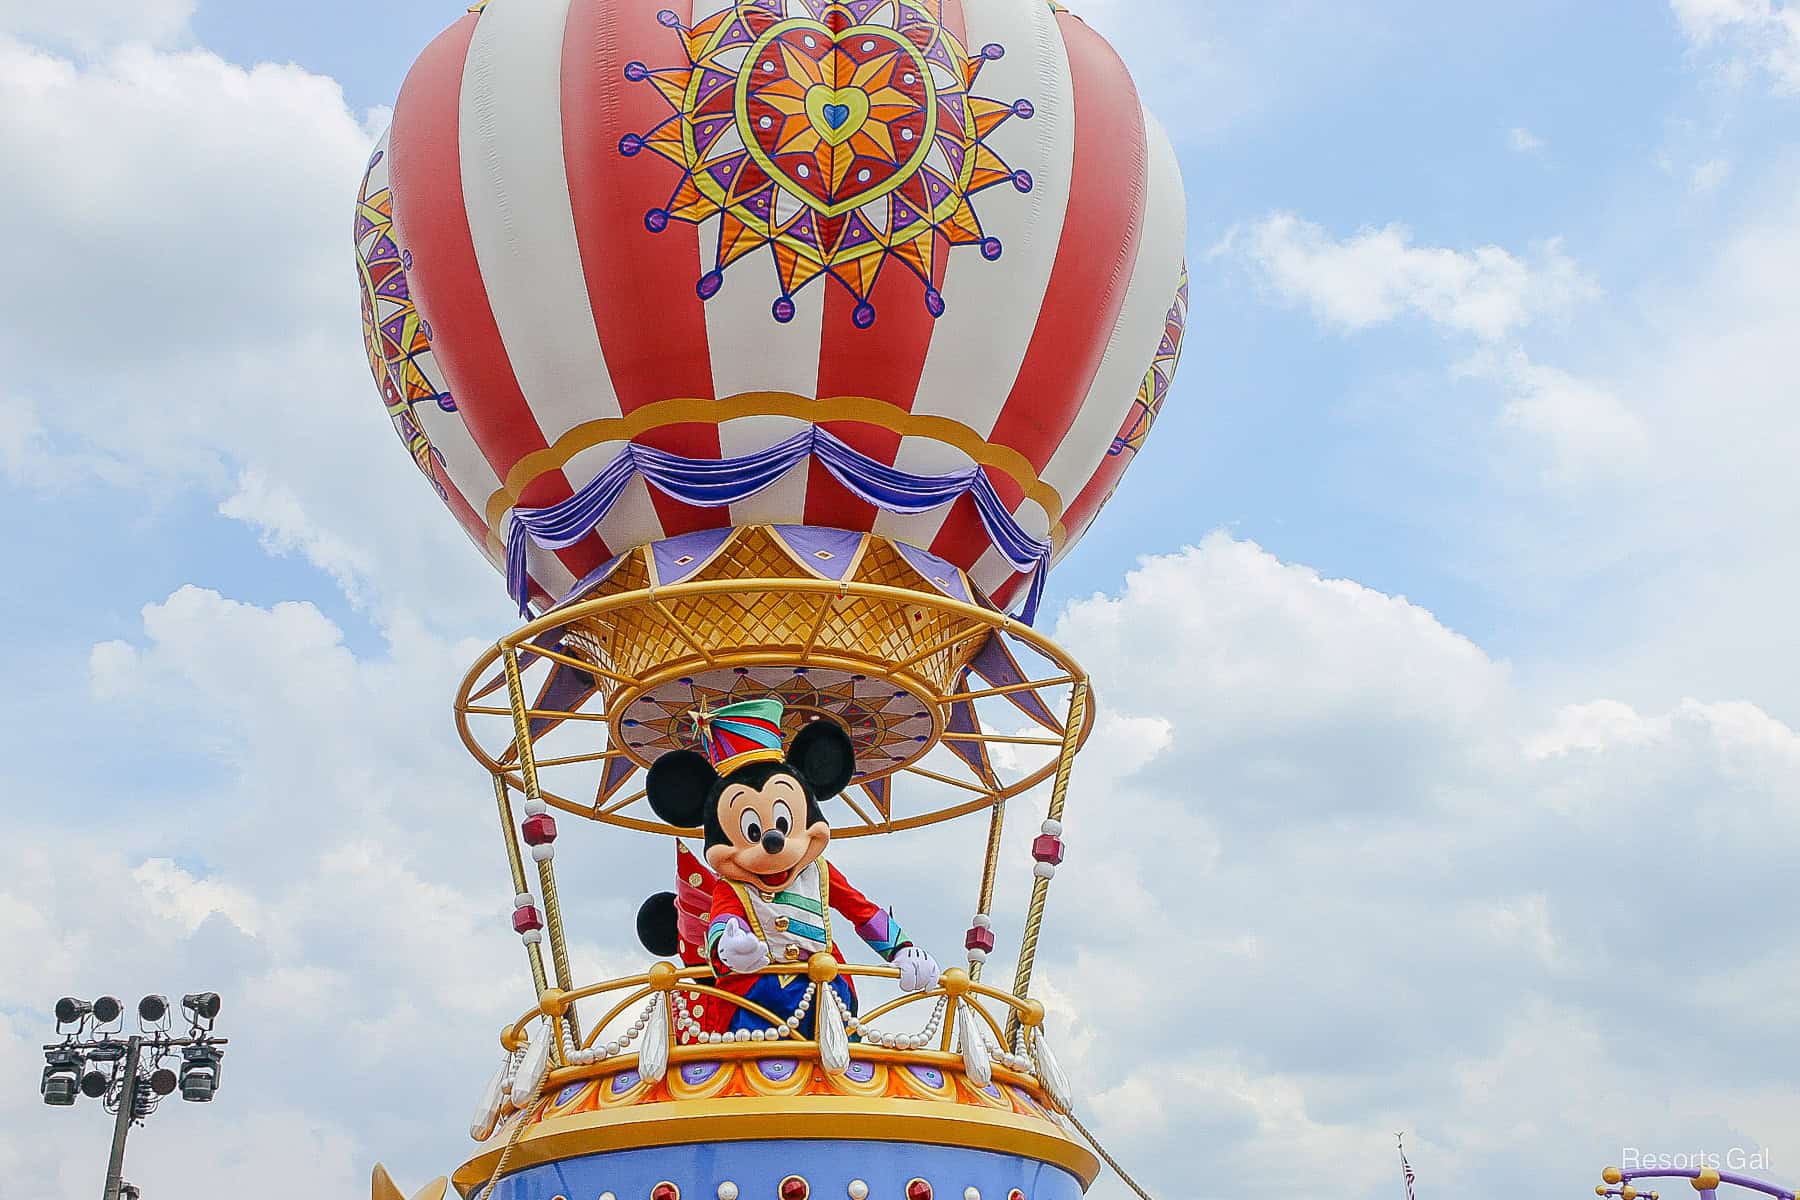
{"points": [[888, 640]]}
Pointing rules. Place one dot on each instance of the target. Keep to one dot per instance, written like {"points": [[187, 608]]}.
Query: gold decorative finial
{"points": [[382, 1187]]}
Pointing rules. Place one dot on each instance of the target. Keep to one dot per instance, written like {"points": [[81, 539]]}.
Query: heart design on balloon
{"points": [[836, 119], [837, 113]]}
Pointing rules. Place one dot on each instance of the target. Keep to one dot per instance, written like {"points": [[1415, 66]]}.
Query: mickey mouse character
{"points": [[772, 899]]}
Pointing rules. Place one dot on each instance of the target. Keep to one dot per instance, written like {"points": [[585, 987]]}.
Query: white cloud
{"points": [[1378, 275], [1709, 175], [1523, 141], [92, 24], [1430, 827], [1760, 34], [214, 202], [1588, 430], [286, 527]]}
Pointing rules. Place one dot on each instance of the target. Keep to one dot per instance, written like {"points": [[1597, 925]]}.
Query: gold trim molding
{"points": [[866, 410], [800, 1118]]}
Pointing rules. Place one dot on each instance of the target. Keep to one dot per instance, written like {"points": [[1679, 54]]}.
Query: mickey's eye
{"points": [[784, 818], [751, 826]]}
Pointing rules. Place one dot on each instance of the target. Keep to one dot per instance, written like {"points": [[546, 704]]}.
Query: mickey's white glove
{"points": [[918, 970], [741, 950]]}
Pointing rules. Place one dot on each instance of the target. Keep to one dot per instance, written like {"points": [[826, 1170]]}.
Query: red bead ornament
{"points": [[1015, 1194], [541, 830], [979, 939], [795, 1188], [665, 1191], [527, 918], [1047, 849], [918, 1189]]}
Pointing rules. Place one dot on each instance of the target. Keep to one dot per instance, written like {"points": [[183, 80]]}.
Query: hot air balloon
{"points": [[773, 351]]}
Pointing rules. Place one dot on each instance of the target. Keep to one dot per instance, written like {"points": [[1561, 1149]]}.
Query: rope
{"points": [[1040, 888], [1101, 1151], [518, 1131]]}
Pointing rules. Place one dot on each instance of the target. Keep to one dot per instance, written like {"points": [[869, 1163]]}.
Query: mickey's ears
{"points": [[677, 787], [822, 755]]}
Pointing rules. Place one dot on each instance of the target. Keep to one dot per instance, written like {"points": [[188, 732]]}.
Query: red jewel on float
{"points": [[1047, 849], [526, 918], [665, 1191], [918, 1189], [979, 939], [540, 830], [1015, 1194], [794, 1188]]}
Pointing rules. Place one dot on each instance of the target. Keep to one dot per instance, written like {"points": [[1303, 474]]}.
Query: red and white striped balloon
{"points": [[946, 231]]}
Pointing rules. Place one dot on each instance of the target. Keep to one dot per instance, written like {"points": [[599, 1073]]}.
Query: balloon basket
{"points": [[953, 707]]}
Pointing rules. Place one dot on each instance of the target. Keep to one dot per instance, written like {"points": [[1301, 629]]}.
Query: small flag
{"points": [[1406, 1170]]}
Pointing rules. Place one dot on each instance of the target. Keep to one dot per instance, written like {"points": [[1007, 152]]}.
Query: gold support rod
{"points": [[1030, 685], [559, 946], [1040, 889], [984, 903], [533, 951]]}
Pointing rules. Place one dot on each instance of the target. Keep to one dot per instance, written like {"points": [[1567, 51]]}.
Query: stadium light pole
{"points": [[91, 1041]]}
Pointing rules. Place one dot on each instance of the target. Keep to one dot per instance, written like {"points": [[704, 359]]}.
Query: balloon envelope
{"points": [[908, 266]]}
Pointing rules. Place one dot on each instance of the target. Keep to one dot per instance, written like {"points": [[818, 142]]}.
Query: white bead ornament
{"points": [[728, 1191], [543, 853], [1053, 828], [1044, 870], [858, 1190], [972, 1193], [535, 806]]}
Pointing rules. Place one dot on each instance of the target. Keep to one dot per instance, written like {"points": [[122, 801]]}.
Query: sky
{"points": [[1449, 759]]}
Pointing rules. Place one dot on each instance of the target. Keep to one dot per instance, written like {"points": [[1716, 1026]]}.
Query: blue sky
{"points": [[1444, 622]]}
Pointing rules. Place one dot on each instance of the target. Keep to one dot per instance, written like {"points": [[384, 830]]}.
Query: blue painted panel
{"points": [[759, 1167]]}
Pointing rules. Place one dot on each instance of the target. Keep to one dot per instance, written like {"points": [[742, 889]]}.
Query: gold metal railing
{"points": [[967, 1029]]}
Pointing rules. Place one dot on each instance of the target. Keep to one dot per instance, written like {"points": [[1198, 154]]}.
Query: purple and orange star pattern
{"points": [[840, 136], [396, 338], [1158, 379]]}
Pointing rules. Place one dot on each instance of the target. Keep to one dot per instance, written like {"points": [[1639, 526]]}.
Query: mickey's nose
{"points": [[772, 842]]}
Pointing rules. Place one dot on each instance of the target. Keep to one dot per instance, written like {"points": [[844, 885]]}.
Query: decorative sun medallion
{"points": [[1156, 383], [841, 135], [397, 340]]}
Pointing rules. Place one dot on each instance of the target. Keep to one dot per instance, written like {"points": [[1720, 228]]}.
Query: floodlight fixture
{"points": [[153, 1010], [107, 1009], [70, 1010], [62, 1077], [95, 1083], [203, 1006], [200, 1072], [163, 1081]]}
